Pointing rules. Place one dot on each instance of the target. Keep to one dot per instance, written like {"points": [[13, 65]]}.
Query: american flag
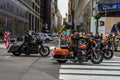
{"points": [[7, 37]]}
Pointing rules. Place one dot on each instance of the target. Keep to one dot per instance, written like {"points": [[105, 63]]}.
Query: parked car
{"points": [[55, 35], [44, 37]]}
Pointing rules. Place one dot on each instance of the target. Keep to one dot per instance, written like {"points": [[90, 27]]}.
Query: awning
{"points": [[11, 16]]}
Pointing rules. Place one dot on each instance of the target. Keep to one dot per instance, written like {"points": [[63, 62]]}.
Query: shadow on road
{"points": [[31, 56]]}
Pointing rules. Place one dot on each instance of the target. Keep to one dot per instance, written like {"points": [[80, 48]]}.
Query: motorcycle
{"points": [[35, 47], [85, 46], [107, 52]]}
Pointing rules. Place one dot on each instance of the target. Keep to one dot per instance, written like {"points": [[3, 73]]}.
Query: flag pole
{"points": [[6, 35], [6, 21]]}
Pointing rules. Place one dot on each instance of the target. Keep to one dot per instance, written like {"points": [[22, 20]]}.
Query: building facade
{"points": [[70, 11], [33, 7], [79, 12], [47, 13], [15, 14], [56, 18], [53, 15], [42, 12], [59, 19]]}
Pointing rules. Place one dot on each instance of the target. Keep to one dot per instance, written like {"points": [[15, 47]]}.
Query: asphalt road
{"points": [[36, 67]]}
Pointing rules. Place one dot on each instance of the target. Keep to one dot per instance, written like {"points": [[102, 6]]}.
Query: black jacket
{"points": [[27, 38], [75, 39]]}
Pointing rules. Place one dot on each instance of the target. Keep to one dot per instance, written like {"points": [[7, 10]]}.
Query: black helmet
{"points": [[74, 31]]}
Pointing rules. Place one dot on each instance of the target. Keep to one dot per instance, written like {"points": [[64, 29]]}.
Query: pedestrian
{"points": [[101, 36], [83, 33], [90, 35], [80, 34], [97, 38], [63, 39]]}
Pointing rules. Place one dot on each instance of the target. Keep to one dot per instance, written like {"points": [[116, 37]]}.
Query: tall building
{"points": [[15, 14], [33, 7], [79, 12], [70, 14], [47, 13], [83, 12], [56, 5], [42, 12], [55, 15], [59, 19]]}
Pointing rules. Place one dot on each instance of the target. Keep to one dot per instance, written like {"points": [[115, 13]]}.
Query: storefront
{"points": [[109, 10], [16, 26]]}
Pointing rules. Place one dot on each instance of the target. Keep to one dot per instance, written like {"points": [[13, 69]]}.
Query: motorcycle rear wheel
{"points": [[98, 58], [16, 53]]}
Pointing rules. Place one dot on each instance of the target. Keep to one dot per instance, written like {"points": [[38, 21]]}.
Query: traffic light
{"points": [[102, 23]]}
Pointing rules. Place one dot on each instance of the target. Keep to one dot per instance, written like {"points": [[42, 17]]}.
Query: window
{"points": [[38, 10], [12, 8], [1, 6], [4, 5], [33, 6], [36, 1], [7, 5], [17, 11]]}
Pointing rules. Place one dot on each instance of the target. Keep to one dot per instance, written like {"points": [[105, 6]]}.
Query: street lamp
{"points": [[97, 16], [97, 21]]}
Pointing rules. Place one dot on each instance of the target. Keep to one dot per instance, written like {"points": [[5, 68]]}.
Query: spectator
{"points": [[63, 38], [101, 36], [97, 37]]}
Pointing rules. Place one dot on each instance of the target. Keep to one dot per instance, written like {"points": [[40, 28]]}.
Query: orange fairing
{"points": [[93, 41], [60, 51], [84, 46]]}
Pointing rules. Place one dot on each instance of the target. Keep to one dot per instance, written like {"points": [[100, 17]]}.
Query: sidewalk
{"points": [[2, 45]]}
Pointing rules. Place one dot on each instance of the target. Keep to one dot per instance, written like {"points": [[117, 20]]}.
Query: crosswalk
{"points": [[107, 70]]}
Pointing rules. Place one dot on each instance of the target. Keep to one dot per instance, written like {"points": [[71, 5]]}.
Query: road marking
{"points": [[107, 70], [87, 67], [87, 77], [89, 72]]}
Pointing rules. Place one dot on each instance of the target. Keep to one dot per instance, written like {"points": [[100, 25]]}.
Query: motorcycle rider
{"points": [[74, 44], [27, 39], [26, 42], [97, 37]]}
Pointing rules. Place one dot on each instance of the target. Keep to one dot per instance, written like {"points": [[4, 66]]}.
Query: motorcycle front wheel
{"points": [[16, 53], [107, 53], [44, 51], [97, 57]]}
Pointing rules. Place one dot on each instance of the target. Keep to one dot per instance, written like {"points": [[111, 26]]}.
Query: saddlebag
{"points": [[14, 48], [61, 51]]}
